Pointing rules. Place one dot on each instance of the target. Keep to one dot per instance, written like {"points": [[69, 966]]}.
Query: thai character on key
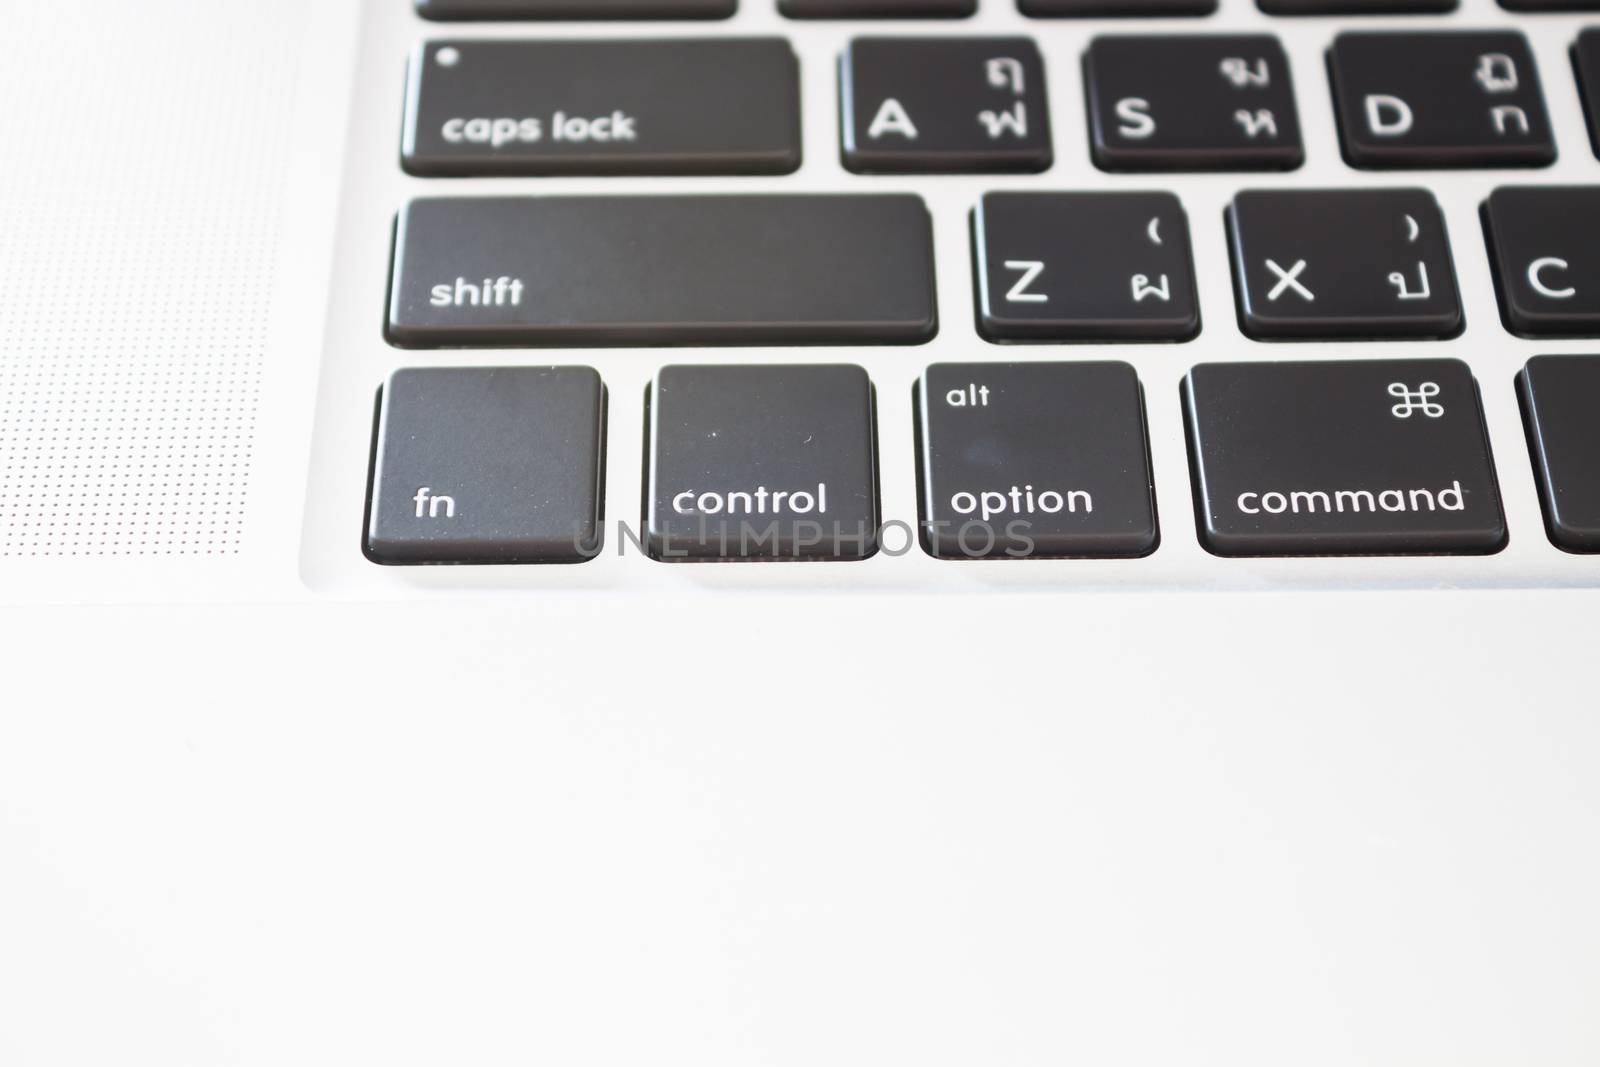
{"points": [[1497, 73]]}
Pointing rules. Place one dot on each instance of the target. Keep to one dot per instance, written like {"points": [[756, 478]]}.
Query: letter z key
{"points": [[1324, 264], [1084, 267]]}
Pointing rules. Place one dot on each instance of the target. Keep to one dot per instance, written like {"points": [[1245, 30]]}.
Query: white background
{"points": [[663, 821]]}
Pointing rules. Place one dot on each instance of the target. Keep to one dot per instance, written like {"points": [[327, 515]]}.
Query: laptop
{"points": [[800, 531]]}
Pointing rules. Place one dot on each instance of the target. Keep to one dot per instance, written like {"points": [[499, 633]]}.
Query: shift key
{"points": [[663, 270], [728, 106]]}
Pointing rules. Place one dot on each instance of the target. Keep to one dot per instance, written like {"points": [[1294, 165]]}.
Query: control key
{"points": [[762, 462]]}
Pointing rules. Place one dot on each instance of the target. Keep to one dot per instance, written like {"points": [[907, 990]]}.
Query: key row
{"points": [[1014, 460], [970, 105], [1048, 267], [841, 9]]}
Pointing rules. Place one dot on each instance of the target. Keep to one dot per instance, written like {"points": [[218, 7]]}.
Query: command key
{"points": [[1366, 457]]}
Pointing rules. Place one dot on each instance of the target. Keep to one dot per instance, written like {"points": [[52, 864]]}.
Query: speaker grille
{"points": [[137, 254]]}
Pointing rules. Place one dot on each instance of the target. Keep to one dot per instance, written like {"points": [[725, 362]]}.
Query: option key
{"points": [[1033, 460]]}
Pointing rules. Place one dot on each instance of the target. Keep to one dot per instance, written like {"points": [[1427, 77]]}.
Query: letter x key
{"points": [[1289, 279], [1382, 260]]}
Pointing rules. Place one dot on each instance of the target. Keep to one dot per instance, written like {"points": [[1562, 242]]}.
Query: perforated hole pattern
{"points": [[137, 253]]}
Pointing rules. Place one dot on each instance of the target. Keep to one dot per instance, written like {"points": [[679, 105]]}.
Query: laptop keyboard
{"points": [[1033, 430]]}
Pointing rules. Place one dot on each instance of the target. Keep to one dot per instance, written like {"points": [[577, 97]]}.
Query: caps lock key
{"points": [[728, 106]]}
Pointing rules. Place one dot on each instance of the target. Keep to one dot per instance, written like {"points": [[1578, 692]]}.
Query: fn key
{"points": [[488, 465]]}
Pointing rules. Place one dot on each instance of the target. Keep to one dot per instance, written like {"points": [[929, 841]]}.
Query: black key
{"points": [[1191, 103], [1586, 63], [863, 9], [762, 462], [603, 107], [1114, 8], [1355, 7], [944, 105], [488, 465], [1560, 395], [1084, 267], [630, 270], [1439, 100], [1033, 460], [446, 10], [1544, 246], [1363, 457], [1550, 5], [1368, 263]]}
